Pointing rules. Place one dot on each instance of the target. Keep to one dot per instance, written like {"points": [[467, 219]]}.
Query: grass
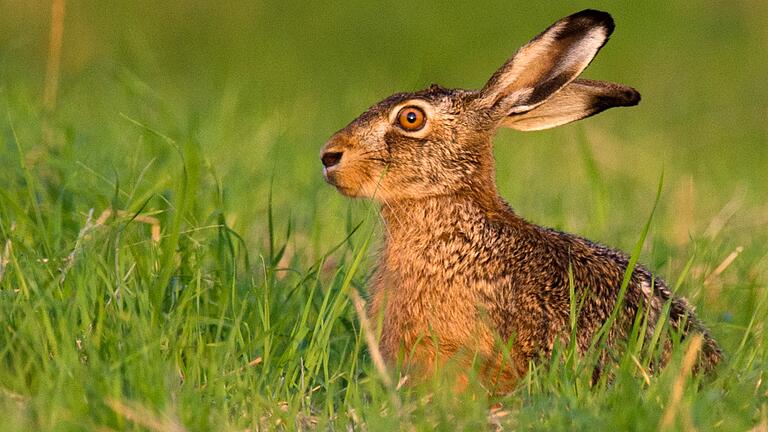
{"points": [[205, 122]]}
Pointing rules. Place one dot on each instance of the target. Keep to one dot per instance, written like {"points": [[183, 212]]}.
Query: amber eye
{"points": [[411, 118]]}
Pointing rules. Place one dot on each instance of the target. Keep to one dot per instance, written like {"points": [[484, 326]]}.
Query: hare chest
{"points": [[429, 309]]}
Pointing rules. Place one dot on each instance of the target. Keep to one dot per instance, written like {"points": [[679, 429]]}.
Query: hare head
{"points": [[437, 141]]}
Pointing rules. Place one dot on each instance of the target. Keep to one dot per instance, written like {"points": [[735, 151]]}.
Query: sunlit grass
{"points": [[170, 258]]}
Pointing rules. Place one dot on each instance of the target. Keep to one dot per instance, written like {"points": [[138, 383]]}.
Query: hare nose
{"points": [[330, 158]]}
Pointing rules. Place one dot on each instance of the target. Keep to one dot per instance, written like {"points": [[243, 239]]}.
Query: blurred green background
{"points": [[260, 86], [256, 88]]}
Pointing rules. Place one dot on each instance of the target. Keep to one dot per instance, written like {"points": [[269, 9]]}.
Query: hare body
{"points": [[469, 276], [460, 273]]}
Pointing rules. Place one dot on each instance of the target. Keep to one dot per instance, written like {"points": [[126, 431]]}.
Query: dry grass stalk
{"points": [[668, 419], [723, 265], [54, 55], [144, 417], [149, 220], [370, 340]]}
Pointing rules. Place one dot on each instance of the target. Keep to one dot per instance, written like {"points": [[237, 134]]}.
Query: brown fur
{"points": [[460, 272]]}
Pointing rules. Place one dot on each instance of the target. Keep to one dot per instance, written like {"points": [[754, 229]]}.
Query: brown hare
{"points": [[460, 273]]}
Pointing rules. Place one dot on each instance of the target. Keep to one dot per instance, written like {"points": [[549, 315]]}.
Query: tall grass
{"points": [[204, 122]]}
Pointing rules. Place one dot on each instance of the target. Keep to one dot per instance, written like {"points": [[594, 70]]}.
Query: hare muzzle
{"points": [[330, 157], [335, 158]]}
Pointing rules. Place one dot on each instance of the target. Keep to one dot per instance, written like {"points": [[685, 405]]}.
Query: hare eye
{"points": [[411, 118]]}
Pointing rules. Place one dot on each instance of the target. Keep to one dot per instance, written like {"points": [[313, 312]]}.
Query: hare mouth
{"points": [[329, 174], [345, 190], [332, 177]]}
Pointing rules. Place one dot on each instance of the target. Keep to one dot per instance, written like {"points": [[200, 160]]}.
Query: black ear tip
{"points": [[616, 96], [595, 18], [631, 97]]}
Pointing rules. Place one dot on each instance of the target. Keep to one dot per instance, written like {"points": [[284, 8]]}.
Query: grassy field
{"points": [[171, 259]]}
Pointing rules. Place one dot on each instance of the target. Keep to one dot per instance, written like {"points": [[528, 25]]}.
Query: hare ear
{"points": [[577, 100], [546, 64]]}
